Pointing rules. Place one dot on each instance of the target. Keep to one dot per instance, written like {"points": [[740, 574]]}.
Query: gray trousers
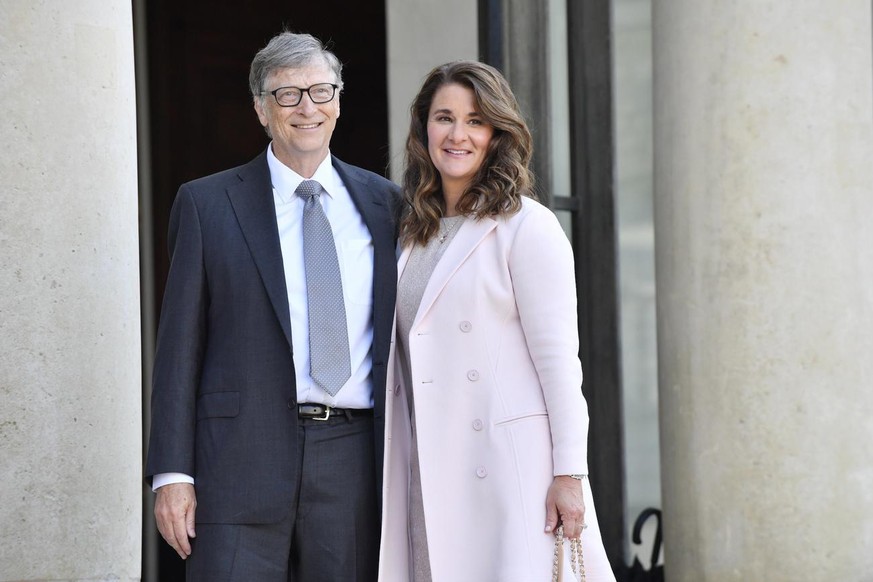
{"points": [[332, 531]]}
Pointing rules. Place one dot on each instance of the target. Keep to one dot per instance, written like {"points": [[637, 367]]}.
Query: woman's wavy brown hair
{"points": [[504, 176]]}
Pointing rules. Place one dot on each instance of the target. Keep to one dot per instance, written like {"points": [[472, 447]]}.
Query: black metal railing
{"points": [[637, 572]]}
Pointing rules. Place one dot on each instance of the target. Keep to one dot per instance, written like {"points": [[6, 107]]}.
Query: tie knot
{"points": [[308, 189]]}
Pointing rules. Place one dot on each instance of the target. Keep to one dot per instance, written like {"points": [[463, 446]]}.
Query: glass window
{"points": [[632, 53]]}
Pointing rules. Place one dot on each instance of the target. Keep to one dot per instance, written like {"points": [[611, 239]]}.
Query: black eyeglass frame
{"points": [[302, 91]]}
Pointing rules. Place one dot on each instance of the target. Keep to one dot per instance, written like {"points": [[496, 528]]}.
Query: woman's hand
{"points": [[564, 504]]}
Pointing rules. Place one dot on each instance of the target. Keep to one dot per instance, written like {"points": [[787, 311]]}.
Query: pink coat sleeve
{"points": [[543, 278]]}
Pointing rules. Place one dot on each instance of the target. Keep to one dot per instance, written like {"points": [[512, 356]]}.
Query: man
{"points": [[268, 399]]}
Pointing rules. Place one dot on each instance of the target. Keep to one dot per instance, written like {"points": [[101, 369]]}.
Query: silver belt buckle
{"points": [[326, 416]]}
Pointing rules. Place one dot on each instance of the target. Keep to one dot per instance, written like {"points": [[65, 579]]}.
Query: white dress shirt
{"points": [[354, 248]]}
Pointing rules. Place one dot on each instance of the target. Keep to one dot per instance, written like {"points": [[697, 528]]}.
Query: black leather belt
{"points": [[324, 412]]}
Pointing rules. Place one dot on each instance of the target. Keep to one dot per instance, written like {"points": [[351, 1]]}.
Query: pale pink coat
{"points": [[499, 411]]}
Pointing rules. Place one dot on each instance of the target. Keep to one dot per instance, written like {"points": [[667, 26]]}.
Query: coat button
{"points": [[291, 404], [473, 375], [481, 472], [478, 424], [465, 326]]}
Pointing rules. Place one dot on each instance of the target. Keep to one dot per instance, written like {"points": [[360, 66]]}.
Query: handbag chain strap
{"points": [[577, 563]]}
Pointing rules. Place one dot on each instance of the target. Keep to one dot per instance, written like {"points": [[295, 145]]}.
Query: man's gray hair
{"points": [[288, 50]]}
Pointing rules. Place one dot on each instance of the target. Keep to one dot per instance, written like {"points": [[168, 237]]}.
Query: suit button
{"points": [[291, 404], [473, 375], [481, 472], [478, 424], [465, 326]]}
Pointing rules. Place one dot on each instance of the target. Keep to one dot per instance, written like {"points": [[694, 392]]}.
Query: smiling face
{"points": [[301, 134], [457, 139]]}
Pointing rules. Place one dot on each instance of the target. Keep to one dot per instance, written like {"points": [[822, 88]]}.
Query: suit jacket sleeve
{"points": [[180, 344], [542, 270]]}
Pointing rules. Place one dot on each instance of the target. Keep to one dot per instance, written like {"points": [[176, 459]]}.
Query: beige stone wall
{"points": [[421, 35], [763, 198], [70, 428]]}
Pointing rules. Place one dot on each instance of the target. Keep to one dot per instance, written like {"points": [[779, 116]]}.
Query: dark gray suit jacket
{"points": [[224, 391]]}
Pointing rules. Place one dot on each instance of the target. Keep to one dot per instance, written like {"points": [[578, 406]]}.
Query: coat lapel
{"points": [[402, 260], [469, 236], [252, 202]]}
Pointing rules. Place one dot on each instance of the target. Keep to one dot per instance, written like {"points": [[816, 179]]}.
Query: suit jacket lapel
{"points": [[377, 217], [252, 202], [468, 237]]}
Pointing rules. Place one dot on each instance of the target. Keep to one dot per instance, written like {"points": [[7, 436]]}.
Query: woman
{"points": [[486, 426]]}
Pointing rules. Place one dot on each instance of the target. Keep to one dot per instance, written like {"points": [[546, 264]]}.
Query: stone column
{"points": [[422, 35], [526, 61], [70, 427], [763, 203]]}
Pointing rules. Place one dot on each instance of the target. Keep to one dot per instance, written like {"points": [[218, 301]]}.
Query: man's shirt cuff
{"points": [[162, 479]]}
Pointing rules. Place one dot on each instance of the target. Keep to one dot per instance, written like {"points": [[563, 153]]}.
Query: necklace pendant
{"points": [[448, 231]]}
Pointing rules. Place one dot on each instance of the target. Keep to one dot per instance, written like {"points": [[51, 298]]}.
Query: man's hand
{"points": [[174, 512]]}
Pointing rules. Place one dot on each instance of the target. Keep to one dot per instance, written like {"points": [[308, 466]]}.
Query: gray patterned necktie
{"points": [[329, 361]]}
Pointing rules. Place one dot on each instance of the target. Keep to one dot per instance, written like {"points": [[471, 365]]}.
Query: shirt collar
{"points": [[285, 180]]}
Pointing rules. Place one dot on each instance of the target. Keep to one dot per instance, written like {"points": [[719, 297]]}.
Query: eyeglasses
{"points": [[291, 96]]}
